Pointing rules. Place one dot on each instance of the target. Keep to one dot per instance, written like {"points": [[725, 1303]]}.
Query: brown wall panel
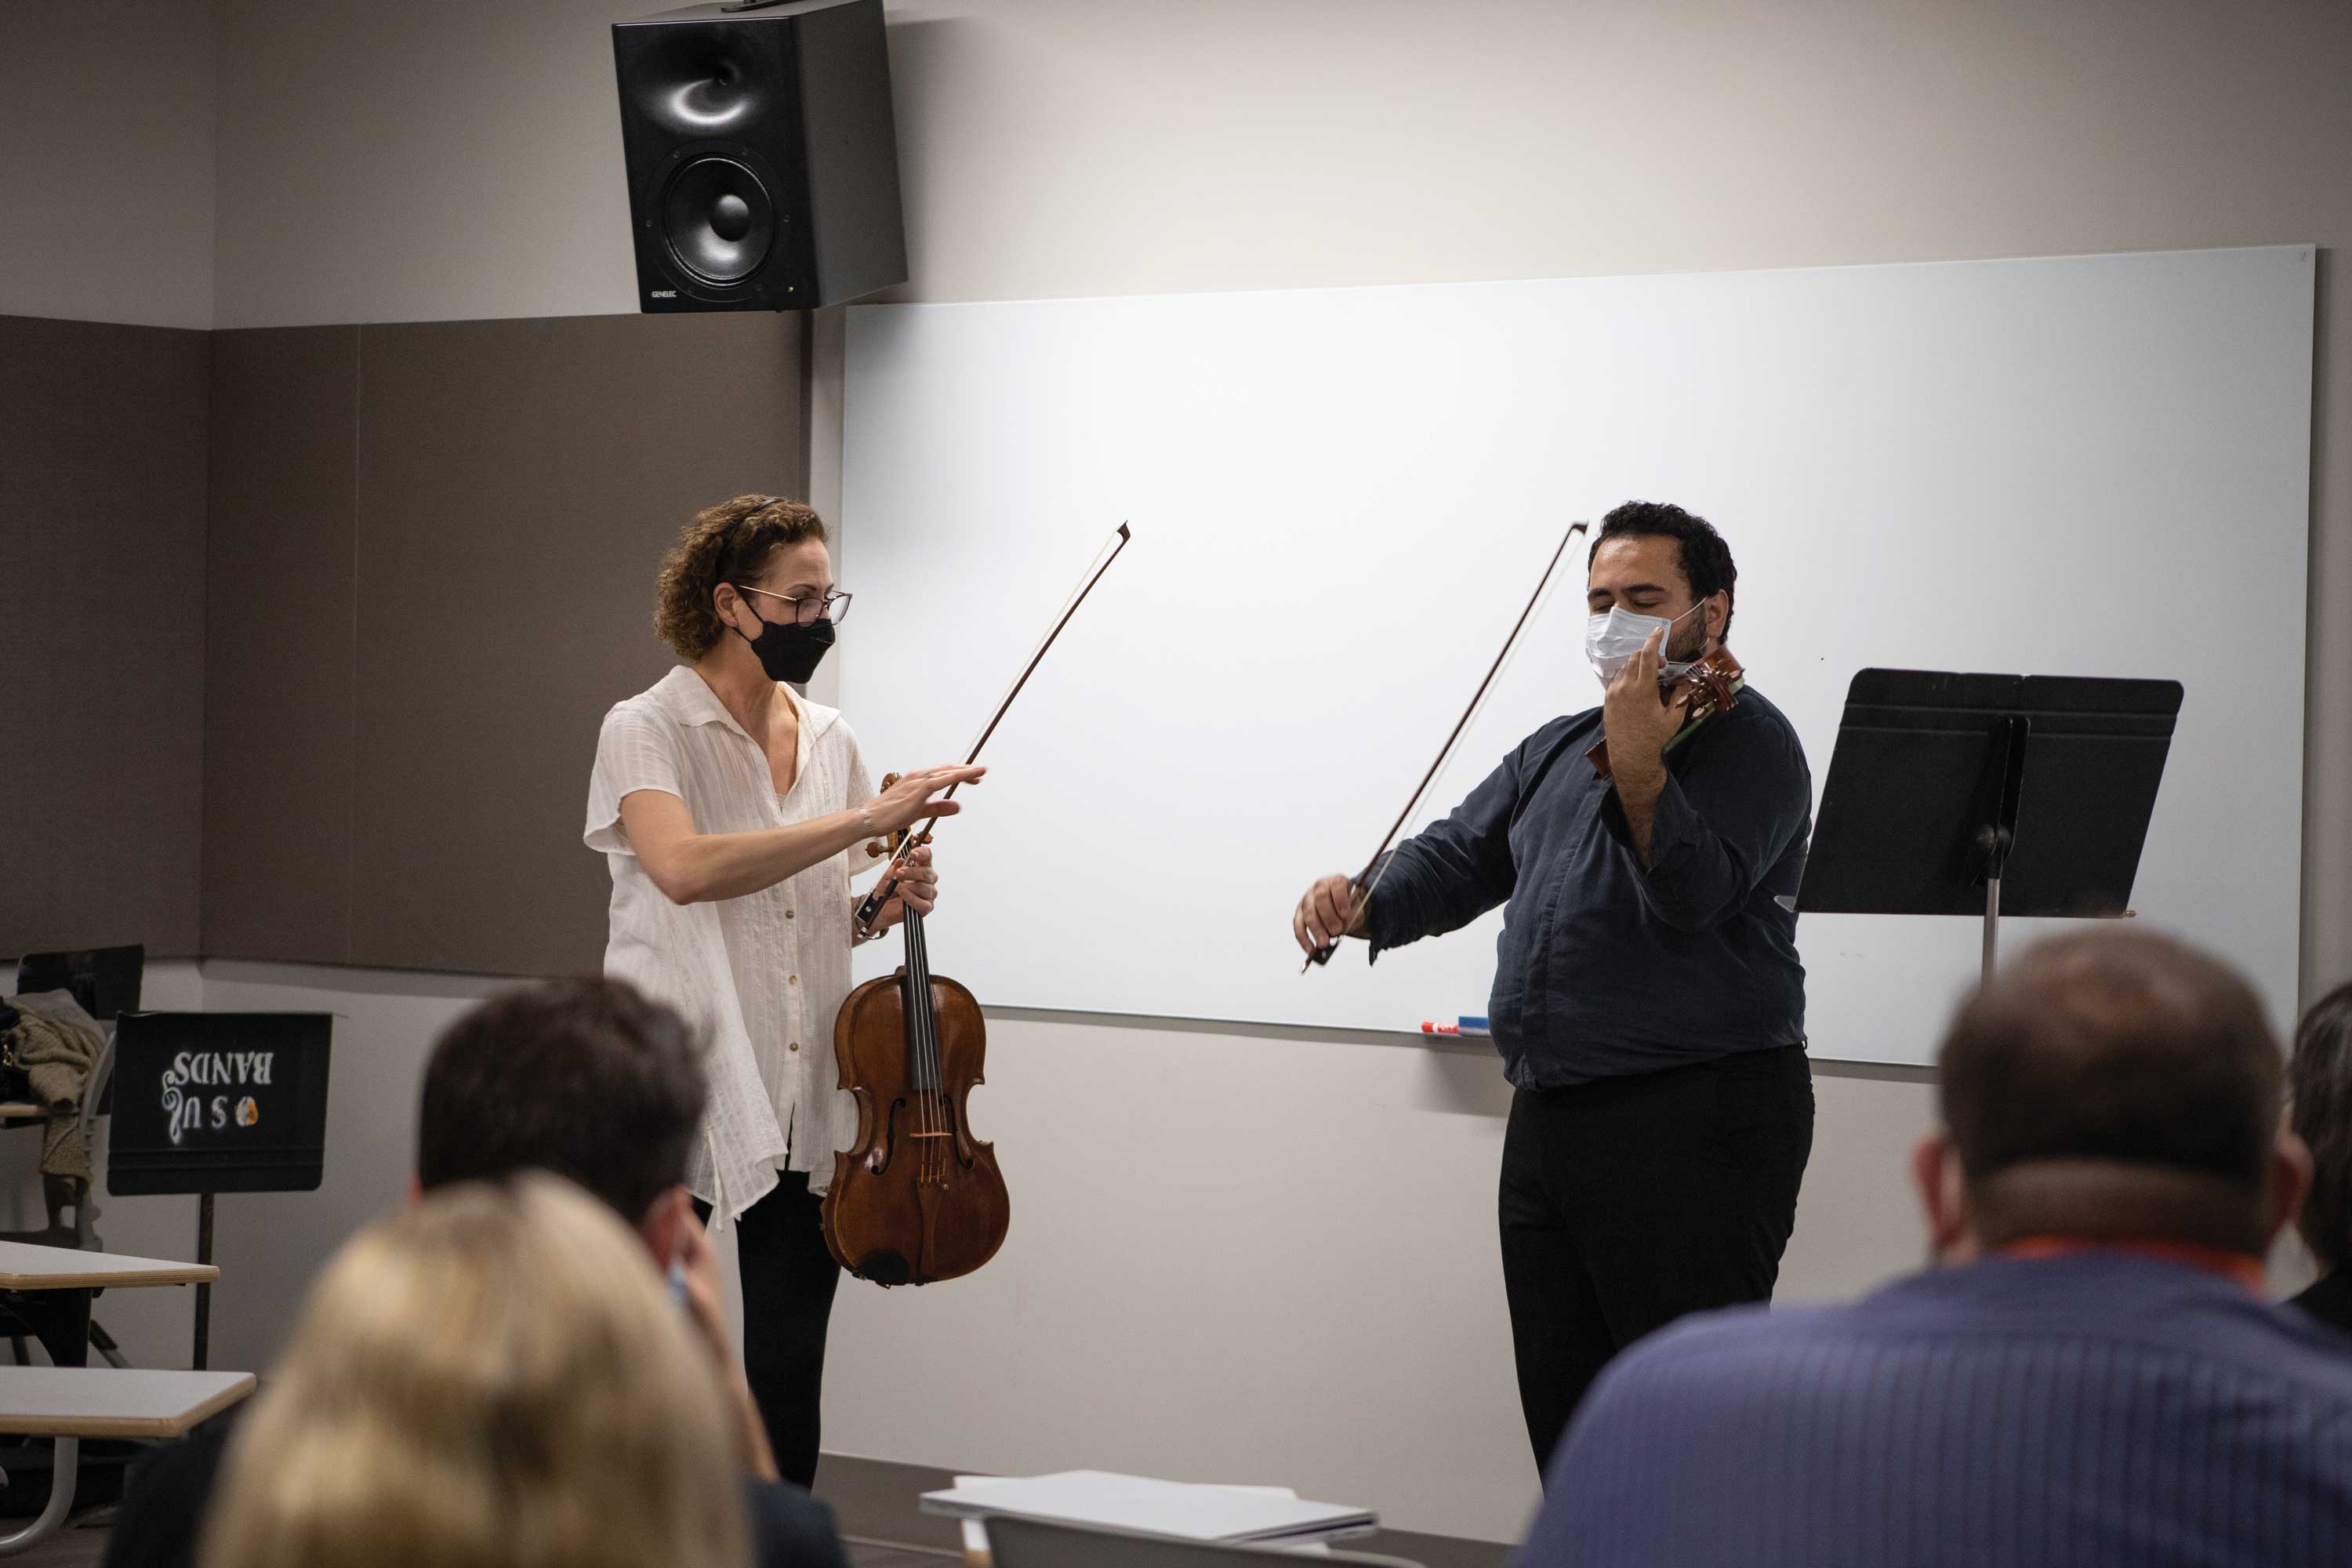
{"points": [[103, 437], [517, 483], [278, 668]]}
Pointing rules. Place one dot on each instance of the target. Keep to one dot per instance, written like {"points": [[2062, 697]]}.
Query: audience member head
{"points": [[492, 1377], [2319, 1084], [2111, 1085], [589, 1078]]}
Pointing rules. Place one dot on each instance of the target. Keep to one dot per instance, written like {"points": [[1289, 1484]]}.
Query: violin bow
{"points": [[1368, 880], [870, 909]]}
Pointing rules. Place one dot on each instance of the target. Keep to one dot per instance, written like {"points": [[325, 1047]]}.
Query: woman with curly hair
{"points": [[728, 808], [2319, 1080]]}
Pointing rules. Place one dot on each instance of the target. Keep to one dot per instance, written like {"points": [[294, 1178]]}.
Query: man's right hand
{"points": [[1329, 910], [909, 800]]}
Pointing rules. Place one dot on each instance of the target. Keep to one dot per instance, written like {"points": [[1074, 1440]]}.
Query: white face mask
{"points": [[1612, 640]]}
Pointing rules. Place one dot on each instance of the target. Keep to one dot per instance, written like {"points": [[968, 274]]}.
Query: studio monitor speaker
{"points": [[762, 165]]}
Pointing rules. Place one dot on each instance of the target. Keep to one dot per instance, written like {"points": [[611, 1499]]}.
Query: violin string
{"points": [[929, 1051], [928, 1028], [923, 1044], [920, 949], [914, 1027]]}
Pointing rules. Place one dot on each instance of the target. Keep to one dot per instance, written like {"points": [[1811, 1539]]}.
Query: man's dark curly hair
{"points": [[1706, 558]]}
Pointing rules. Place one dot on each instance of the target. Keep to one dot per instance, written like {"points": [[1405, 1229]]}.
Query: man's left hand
{"points": [[919, 890], [1637, 720]]}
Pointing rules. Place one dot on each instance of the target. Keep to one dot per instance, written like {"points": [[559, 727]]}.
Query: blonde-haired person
{"points": [[494, 1376], [727, 808]]}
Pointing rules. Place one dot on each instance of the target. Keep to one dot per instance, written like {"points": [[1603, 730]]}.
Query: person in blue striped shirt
{"points": [[2088, 1373]]}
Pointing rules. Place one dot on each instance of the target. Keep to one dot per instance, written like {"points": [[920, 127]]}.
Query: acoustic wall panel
{"points": [[102, 438], [517, 484], [281, 606]]}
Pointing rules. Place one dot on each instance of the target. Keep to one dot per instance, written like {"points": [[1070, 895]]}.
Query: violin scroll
{"points": [[1710, 685]]}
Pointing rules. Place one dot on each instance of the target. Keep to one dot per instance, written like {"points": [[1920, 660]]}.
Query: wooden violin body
{"points": [[917, 1198], [1711, 685]]}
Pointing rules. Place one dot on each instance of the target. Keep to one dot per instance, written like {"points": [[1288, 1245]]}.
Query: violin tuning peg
{"points": [[876, 847]]}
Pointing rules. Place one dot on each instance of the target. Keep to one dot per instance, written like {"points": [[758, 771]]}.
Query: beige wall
{"points": [[429, 160], [106, 162]]}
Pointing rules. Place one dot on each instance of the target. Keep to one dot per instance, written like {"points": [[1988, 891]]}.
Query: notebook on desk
{"points": [[1160, 1508]]}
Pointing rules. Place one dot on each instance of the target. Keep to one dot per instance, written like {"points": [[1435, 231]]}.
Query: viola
{"points": [[917, 1198], [1709, 685]]}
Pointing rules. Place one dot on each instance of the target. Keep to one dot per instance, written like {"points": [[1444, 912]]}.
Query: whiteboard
{"points": [[2077, 465]]}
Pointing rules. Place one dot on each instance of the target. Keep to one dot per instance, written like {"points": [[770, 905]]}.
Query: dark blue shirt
{"points": [[1604, 969], [2100, 1407]]}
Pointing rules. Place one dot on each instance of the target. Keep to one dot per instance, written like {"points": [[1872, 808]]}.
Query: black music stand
{"points": [[1992, 794], [219, 1102]]}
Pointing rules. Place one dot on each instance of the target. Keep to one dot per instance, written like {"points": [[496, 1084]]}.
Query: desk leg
{"points": [[64, 1474]]}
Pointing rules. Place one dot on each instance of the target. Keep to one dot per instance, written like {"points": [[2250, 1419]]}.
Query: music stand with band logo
{"points": [[219, 1102]]}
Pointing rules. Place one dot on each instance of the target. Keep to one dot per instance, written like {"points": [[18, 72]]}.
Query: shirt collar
{"points": [[689, 701]]}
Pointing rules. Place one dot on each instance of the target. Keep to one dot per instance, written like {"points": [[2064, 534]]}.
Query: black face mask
{"points": [[788, 651]]}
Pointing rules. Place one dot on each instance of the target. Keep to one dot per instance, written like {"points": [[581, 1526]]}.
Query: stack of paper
{"points": [[1159, 1507]]}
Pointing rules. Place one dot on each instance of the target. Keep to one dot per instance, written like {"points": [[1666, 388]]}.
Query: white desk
{"points": [[70, 1403], [26, 1265], [107, 1402]]}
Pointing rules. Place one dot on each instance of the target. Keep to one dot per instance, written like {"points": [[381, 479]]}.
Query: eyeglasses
{"points": [[834, 607]]}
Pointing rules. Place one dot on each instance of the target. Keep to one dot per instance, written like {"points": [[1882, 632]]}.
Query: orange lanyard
{"points": [[2230, 1264]]}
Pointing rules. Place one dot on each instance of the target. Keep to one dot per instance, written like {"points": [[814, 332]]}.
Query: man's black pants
{"points": [[789, 1278], [1628, 1202]]}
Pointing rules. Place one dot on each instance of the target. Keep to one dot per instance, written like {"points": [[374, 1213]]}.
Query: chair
{"points": [[1042, 1543], [106, 983]]}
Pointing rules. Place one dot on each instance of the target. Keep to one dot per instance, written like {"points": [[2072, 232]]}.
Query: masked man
{"points": [[1648, 1004]]}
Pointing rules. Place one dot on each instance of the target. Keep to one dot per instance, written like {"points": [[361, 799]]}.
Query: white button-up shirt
{"points": [[763, 974]]}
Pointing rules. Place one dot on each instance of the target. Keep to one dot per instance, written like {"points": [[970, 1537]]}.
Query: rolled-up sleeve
{"points": [[1719, 826], [635, 750], [1451, 871]]}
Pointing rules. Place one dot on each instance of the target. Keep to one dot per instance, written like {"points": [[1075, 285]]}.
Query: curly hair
{"points": [[728, 542], [1706, 558], [2319, 1080]]}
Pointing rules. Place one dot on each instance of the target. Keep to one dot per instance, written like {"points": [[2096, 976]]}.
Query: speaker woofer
{"points": [[718, 220]]}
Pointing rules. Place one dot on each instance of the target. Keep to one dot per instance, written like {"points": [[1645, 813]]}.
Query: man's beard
{"points": [[1686, 642]]}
